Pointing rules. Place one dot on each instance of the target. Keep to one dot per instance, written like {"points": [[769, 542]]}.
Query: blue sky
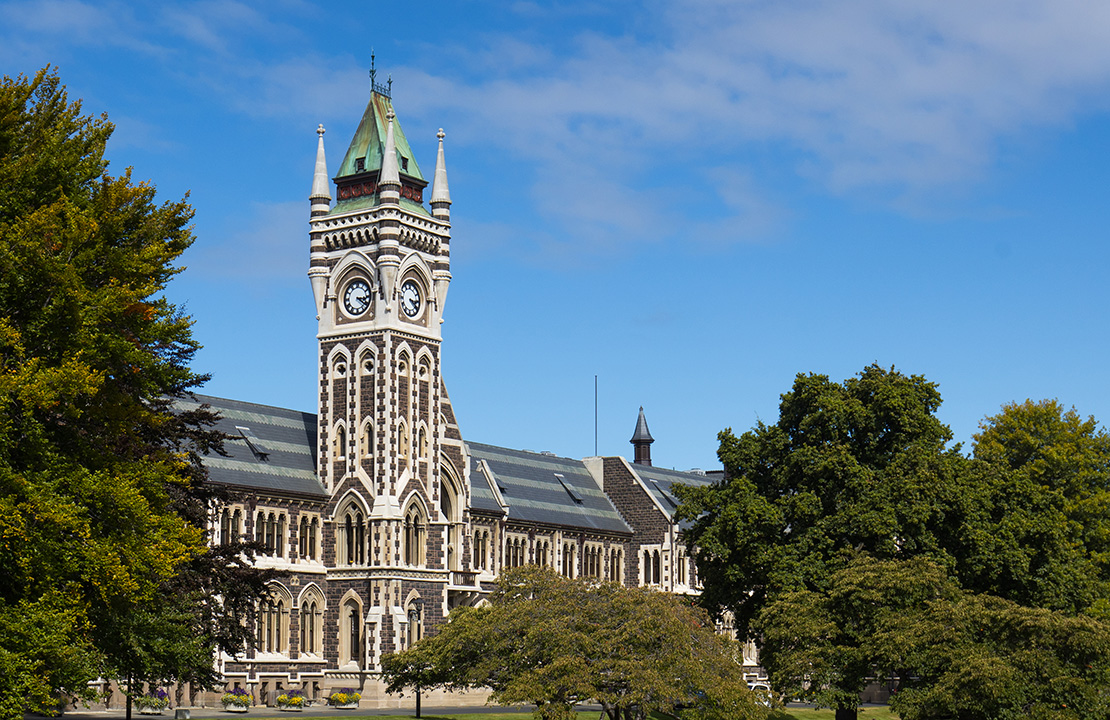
{"points": [[693, 200]]}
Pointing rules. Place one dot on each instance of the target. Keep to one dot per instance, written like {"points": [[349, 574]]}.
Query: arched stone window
{"points": [[450, 509], [415, 629], [307, 532], [339, 450], [366, 363], [415, 536], [403, 444], [570, 566], [225, 527], [481, 550], [312, 622], [273, 621], [350, 635], [350, 534], [279, 537], [616, 567], [366, 440]]}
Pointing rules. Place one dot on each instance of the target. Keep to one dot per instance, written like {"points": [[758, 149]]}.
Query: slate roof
{"points": [[275, 451], [528, 484], [278, 454], [660, 481]]}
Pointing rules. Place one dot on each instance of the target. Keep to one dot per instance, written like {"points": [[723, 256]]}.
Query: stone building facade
{"points": [[381, 517]]}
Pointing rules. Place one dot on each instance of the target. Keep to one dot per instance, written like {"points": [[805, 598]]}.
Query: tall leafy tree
{"points": [[858, 466], [1046, 539], [949, 653], [555, 642], [864, 466], [102, 499]]}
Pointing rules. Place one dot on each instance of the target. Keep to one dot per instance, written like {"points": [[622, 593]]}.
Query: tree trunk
{"points": [[846, 713]]}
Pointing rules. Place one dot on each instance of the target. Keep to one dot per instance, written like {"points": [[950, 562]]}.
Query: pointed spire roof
{"points": [[369, 142], [321, 187], [641, 435], [390, 171], [439, 183]]}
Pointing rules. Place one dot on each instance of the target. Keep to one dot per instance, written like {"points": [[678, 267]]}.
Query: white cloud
{"points": [[901, 99]]}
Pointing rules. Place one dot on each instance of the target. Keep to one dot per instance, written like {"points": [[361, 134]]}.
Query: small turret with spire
{"points": [[641, 441], [320, 197], [320, 200], [441, 198]]}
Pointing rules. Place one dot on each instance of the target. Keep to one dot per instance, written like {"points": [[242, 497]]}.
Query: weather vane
{"points": [[387, 89]]}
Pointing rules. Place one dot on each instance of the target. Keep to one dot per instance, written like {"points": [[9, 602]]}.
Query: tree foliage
{"points": [[865, 467], [102, 500], [1045, 540], [948, 653], [556, 642]]}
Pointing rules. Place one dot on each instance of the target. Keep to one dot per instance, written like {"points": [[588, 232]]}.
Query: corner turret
{"points": [[441, 197], [642, 440]]}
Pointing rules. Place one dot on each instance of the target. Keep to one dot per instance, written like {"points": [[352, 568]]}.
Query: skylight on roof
{"points": [[253, 443], [665, 493], [571, 490]]}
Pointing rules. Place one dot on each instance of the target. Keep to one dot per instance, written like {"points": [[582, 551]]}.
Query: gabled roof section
{"points": [[269, 449], [369, 140], [660, 482], [542, 488]]}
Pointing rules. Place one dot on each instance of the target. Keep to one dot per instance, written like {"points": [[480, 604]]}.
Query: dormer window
{"points": [[404, 163], [360, 164]]}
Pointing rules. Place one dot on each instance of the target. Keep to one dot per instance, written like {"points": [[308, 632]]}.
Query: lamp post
{"points": [[416, 626]]}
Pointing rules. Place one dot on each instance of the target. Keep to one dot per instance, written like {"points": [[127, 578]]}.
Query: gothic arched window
{"points": [[415, 537]]}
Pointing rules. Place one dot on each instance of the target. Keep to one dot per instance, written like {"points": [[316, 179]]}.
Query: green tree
{"points": [[1045, 540], [980, 657], [864, 467], [555, 642], [102, 500], [948, 653], [858, 466], [818, 644]]}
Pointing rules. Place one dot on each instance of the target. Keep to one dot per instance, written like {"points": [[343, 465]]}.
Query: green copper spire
{"points": [[369, 140]]}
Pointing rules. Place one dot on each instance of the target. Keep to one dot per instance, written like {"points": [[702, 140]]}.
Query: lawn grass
{"points": [[867, 713]]}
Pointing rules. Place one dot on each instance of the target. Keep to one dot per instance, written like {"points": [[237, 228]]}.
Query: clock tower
{"points": [[389, 452]]}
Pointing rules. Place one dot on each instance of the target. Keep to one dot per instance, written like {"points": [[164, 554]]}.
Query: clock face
{"points": [[356, 298], [410, 298]]}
